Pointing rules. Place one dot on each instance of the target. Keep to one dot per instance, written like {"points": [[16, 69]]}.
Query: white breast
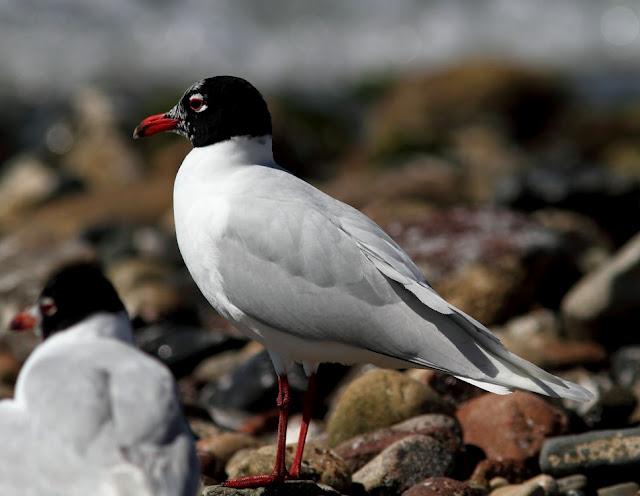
{"points": [[206, 180]]}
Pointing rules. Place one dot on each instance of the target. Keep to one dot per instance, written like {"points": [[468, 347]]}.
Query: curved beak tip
{"points": [[155, 124]]}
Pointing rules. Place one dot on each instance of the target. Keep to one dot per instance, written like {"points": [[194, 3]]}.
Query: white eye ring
{"points": [[48, 307], [196, 102]]}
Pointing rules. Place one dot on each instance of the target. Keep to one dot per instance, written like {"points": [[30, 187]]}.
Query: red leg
{"points": [[309, 400], [279, 472]]}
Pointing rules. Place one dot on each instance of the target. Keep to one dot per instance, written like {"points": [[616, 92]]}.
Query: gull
{"points": [[311, 278], [92, 414]]}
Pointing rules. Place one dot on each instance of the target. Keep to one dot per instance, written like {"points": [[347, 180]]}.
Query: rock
{"points": [[488, 262], [181, 348], [145, 287], [624, 489], [577, 482], [214, 367], [376, 399], [607, 299], [203, 428], [611, 406], [453, 390], [442, 486], [288, 488], [625, 366], [512, 426], [536, 337], [511, 470], [538, 486], [318, 464], [590, 190], [100, 154], [24, 183], [586, 242], [249, 388], [9, 365], [216, 450], [405, 463], [360, 449], [421, 112], [596, 453]]}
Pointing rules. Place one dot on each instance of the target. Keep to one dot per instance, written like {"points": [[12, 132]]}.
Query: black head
{"points": [[213, 110], [71, 294]]}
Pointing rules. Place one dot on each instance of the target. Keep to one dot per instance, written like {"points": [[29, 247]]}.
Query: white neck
{"points": [[102, 325], [241, 150]]}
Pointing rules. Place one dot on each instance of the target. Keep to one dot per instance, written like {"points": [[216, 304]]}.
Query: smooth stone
{"points": [[182, 347], [623, 489], [318, 464], [512, 426], [443, 486], [625, 366], [220, 448], [288, 488], [404, 464], [513, 471], [604, 304], [376, 399], [572, 483], [360, 449], [542, 485], [597, 453]]}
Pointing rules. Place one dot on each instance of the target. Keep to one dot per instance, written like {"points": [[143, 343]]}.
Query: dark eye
{"points": [[48, 307], [196, 102]]}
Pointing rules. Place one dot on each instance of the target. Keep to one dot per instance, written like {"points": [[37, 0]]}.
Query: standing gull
{"points": [[92, 414], [308, 276]]}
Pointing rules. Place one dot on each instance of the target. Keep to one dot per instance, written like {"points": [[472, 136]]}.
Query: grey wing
{"points": [[328, 273]]}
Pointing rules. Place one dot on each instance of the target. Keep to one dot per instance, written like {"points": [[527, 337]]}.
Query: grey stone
{"points": [[289, 488]]}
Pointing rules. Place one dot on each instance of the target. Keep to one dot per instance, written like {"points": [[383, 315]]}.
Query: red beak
{"points": [[24, 321], [154, 124]]}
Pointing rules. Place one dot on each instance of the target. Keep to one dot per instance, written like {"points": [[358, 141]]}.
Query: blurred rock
{"points": [[320, 465], [538, 486], [376, 399], [420, 112], [452, 390], [182, 348], [590, 190], [442, 486], [625, 366], [100, 154], [288, 488], [489, 263], [512, 426], [214, 367], [624, 489], [405, 463], [359, 450], [250, 387], [219, 448], [536, 337], [510, 470], [577, 482], [612, 453], [604, 304], [145, 287], [587, 243], [9, 365], [203, 428], [24, 183]]}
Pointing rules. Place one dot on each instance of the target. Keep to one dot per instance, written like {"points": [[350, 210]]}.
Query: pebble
{"points": [[320, 465], [360, 449], [405, 463], [604, 304], [542, 485], [443, 486], [288, 488], [512, 426], [600, 453], [379, 398], [572, 483], [623, 489], [221, 447]]}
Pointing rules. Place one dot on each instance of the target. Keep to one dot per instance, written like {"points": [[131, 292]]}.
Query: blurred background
{"points": [[497, 141]]}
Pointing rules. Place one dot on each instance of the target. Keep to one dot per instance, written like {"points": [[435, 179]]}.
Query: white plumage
{"points": [[94, 415], [315, 280]]}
